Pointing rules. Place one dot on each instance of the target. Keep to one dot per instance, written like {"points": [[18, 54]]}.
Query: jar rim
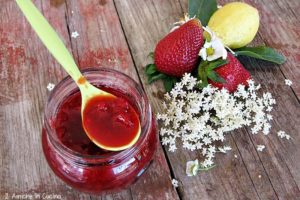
{"points": [[145, 114]]}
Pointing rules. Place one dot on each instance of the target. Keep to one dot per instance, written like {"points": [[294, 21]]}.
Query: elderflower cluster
{"points": [[282, 134], [200, 119]]}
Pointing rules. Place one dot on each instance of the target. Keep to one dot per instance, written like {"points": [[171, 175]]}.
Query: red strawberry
{"points": [[177, 53], [233, 73]]}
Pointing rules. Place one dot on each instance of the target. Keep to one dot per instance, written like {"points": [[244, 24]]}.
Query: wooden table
{"points": [[119, 34]]}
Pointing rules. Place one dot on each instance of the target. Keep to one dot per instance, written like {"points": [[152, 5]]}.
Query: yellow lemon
{"points": [[236, 24]]}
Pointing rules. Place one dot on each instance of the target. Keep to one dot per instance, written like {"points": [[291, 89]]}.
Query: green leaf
{"points": [[214, 76], [151, 55], [202, 74], [215, 64], [169, 83], [206, 168], [202, 9], [206, 70], [261, 52], [155, 77], [150, 69]]}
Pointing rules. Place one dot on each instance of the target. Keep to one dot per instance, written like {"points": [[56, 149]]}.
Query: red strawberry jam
{"points": [[75, 158], [111, 122]]}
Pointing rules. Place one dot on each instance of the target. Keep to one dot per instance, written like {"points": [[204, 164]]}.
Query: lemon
{"points": [[236, 24]]}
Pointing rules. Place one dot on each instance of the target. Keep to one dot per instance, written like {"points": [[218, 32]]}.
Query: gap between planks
{"points": [[141, 83]]}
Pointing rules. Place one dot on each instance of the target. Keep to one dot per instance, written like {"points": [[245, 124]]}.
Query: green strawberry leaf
{"points": [[150, 69], [214, 76], [169, 83], [155, 77], [202, 9], [202, 74], [206, 70], [215, 64], [261, 52], [151, 55]]}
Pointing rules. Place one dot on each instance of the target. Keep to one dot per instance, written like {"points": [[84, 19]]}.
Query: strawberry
{"points": [[177, 53], [224, 73]]}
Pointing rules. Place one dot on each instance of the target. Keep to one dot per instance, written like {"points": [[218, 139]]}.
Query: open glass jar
{"points": [[74, 158]]}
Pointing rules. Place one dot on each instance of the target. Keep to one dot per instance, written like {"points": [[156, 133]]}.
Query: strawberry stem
{"points": [[206, 71]]}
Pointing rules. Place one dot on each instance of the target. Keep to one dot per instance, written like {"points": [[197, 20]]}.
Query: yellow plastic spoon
{"points": [[56, 47]]}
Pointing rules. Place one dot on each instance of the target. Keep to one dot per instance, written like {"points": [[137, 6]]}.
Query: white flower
{"points": [[269, 117], [213, 50], [282, 134], [288, 82], [172, 148], [224, 149], [260, 147], [50, 86], [174, 182], [213, 47], [192, 167], [74, 34], [207, 163], [201, 119]]}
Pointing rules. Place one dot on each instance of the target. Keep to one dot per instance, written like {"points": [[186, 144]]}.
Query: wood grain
{"points": [[26, 69], [280, 159], [280, 29], [119, 34]]}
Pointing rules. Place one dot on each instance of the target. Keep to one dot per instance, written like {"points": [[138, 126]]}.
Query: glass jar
{"points": [[104, 172]]}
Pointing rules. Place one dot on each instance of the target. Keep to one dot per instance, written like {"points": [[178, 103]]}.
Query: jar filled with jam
{"points": [[74, 157]]}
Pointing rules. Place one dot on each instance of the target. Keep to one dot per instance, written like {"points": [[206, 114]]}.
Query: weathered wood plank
{"points": [[121, 195], [26, 69], [280, 29], [281, 157], [100, 42]]}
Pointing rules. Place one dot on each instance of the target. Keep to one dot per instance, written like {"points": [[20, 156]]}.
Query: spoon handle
{"points": [[50, 38]]}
